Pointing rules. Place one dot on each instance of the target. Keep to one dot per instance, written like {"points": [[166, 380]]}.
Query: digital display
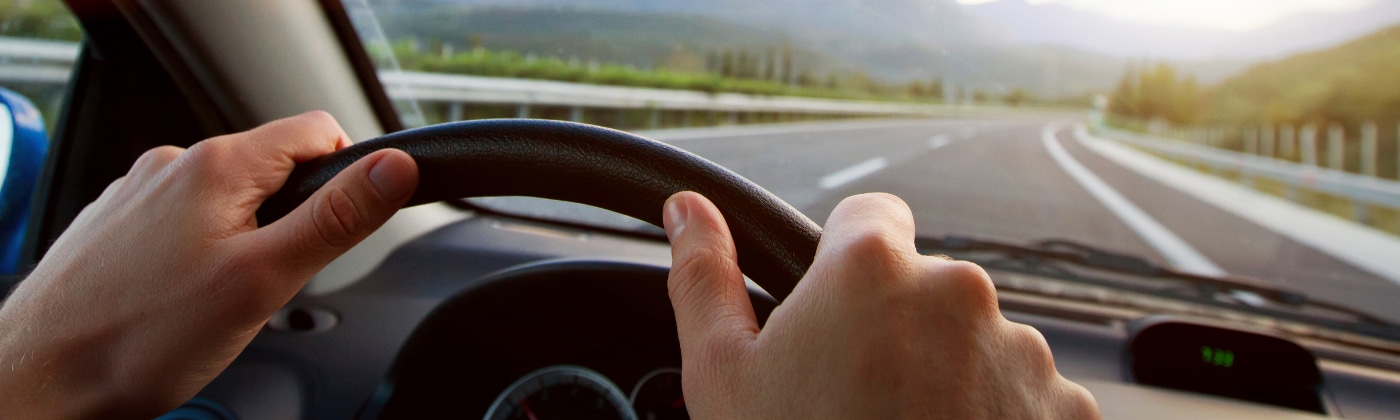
{"points": [[1216, 356], [1225, 362]]}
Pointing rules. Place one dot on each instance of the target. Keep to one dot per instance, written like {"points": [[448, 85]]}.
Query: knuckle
{"points": [[156, 157], [318, 117], [1078, 402], [336, 217], [882, 208], [876, 200], [967, 281], [1033, 348], [876, 248], [317, 122], [207, 156]]}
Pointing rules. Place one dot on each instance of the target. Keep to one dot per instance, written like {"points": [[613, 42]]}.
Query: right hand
{"points": [[874, 330]]}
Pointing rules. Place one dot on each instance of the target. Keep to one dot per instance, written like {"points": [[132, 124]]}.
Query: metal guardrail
{"points": [[37, 61], [452, 88], [37, 50], [39, 74], [1361, 189]]}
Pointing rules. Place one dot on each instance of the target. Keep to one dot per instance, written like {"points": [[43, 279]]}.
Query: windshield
{"points": [[1243, 138]]}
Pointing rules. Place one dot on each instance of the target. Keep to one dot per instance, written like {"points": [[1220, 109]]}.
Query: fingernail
{"points": [[675, 218], [392, 178]]}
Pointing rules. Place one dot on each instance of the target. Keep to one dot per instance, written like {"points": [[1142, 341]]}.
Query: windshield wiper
{"points": [[1035, 256]]}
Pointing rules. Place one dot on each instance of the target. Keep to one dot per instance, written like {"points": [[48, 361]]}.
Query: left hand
{"points": [[160, 283]]}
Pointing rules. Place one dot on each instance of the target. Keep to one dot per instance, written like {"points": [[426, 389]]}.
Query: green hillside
{"points": [[1348, 84], [686, 42], [46, 19], [633, 49], [643, 40]]}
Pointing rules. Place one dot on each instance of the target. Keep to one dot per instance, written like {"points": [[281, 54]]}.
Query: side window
{"points": [[38, 46]]}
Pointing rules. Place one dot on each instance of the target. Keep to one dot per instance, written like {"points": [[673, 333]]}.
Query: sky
{"points": [[1230, 15]]}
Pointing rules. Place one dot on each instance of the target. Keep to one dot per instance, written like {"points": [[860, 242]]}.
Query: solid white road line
{"points": [[1177, 252], [1365, 248], [849, 175], [938, 141]]}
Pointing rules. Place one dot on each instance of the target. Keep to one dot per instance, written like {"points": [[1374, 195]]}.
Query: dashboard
{"points": [[604, 328], [495, 317]]}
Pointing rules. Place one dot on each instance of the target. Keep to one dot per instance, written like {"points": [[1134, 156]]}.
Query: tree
{"points": [[1125, 95], [770, 65], [742, 66], [48, 19], [1156, 92], [789, 73], [727, 64], [1017, 97], [916, 89]]}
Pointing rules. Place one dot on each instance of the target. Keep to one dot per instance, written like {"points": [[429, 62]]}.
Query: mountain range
{"points": [[1050, 50], [1055, 24]]}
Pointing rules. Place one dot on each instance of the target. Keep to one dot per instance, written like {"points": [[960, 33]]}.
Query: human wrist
{"points": [[52, 374]]}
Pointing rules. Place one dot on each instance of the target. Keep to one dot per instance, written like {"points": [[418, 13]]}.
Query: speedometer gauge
{"points": [[561, 392], [658, 396]]}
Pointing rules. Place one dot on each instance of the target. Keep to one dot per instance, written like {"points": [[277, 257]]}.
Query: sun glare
{"points": [[1230, 15]]}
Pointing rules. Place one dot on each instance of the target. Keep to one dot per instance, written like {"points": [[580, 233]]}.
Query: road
{"points": [[997, 178]]}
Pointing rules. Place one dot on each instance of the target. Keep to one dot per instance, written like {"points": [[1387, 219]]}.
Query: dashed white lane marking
{"points": [[938, 141], [853, 173], [1177, 252]]}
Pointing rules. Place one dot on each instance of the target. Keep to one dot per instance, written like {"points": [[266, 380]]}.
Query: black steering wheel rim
{"points": [[586, 164]]}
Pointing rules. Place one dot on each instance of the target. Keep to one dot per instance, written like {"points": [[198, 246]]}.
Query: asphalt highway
{"points": [[997, 178]]}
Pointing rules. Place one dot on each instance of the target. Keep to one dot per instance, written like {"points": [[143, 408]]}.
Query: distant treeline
{"points": [[48, 19], [744, 66], [770, 72], [1348, 84], [1156, 92]]}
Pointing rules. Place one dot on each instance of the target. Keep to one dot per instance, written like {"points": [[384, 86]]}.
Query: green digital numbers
{"points": [[1217, 356]]}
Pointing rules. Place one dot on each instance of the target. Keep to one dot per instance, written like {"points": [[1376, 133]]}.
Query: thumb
{"points": [[341, 214], [707, 290]]}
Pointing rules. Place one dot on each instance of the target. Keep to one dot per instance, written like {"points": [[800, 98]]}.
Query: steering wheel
{"points": [[586, 164]]}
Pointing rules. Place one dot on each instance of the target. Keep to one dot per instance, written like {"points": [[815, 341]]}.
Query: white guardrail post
{"points": [[1336, 158], [1286, 136], [1368, 148], [454, 111], [1307, 144], [1251, 140], [1267, 140]]}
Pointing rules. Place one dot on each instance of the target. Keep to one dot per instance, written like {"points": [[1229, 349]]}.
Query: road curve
{"points": [[1001, 178]]}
